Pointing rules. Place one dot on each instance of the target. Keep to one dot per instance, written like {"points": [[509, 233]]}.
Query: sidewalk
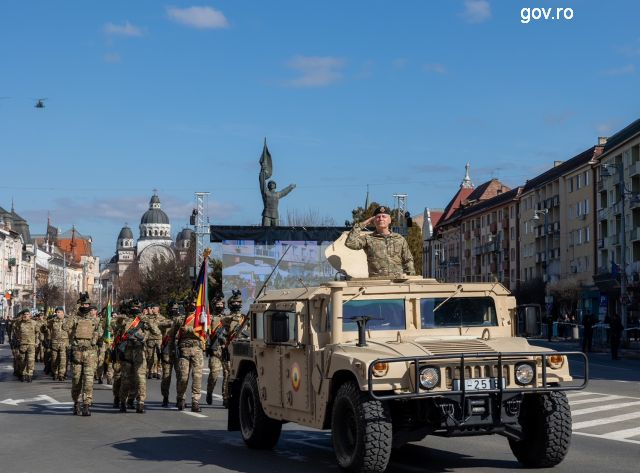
{"points": [[569, 344]]}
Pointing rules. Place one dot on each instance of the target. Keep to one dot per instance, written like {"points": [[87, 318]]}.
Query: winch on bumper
{"points": [[462, 394]]}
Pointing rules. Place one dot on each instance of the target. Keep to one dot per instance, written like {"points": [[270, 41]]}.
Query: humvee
{"points": [[383, 362]]}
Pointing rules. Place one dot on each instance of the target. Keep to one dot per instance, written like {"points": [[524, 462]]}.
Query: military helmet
{"points": [[235, 300], [84, 298]]}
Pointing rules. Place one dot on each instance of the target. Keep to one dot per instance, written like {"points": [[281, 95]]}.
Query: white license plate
{"points": [[478, 384]]}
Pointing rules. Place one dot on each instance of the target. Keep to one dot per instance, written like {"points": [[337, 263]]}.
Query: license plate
{"points": [[478, 384]]}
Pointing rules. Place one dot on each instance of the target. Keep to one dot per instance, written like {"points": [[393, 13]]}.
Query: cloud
{"points": [[198, 17], [112, 58], [126, 29], [476, 11], [435, 68], [315, 71], [621, 71]]}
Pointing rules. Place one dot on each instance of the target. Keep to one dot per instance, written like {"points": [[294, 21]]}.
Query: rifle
{"points": [[245, 318]]}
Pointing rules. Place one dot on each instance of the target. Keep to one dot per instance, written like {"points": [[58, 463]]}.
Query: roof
{"points": [[154, 216], [125, 233], [561, 169], [623, 135], [486, 204], [455, 203]]}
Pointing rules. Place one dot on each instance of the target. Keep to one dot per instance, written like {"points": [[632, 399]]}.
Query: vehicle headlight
{"points": [[555, 361], [429, 377], [524, 373], [380, 369]]}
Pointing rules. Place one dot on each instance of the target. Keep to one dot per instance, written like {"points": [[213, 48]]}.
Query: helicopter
{"points": [[40, 103]]}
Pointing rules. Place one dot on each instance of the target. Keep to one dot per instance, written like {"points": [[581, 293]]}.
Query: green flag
{"points": [[106, 336]]}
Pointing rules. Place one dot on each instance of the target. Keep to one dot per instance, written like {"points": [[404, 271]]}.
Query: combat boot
{"points": [[195, 406], [165, 401], [76, 408], [123, 407], [86, 412], [181, 404], [116, 402], [28, 378], [140, 408], [209, 398]]}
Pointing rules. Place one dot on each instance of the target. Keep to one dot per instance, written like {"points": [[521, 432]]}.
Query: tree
{"points": [[566, 294], [414, 239], [531, 292], [311, 218], [49, 295], [128, 285]]}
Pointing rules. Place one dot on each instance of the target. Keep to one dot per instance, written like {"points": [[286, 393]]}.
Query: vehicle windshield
{"points": [[458, 312], [386, 314]]}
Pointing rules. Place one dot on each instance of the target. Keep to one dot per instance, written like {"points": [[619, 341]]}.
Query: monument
{"points": [[270, 197]]}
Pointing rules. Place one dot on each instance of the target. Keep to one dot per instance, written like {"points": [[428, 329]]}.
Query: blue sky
{"points": [[178, 96]]}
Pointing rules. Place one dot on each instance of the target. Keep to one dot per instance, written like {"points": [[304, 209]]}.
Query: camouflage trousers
{"points": [[226, 371], [168, 364], [190, 360], [133, 375], [58, 360], [152, 349], [26, 359], [83, 365], [215, 368], [104, 366]]}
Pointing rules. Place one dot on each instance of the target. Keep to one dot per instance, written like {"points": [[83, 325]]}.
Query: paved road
{"points": [[39, 434]]}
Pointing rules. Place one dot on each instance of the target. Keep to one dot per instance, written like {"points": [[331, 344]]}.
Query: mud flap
{"points": [[233, 408]]}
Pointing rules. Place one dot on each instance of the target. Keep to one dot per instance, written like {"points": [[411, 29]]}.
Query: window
{"points": [[587, 237], [586, 206], [571, 184], [387, 314], [457, 312]]}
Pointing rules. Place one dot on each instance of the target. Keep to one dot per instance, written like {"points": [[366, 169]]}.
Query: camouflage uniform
{"points": [[26, 332], [133, 366], [231, 324], [40, 340], [119, 325], [58, 330], [387, 255], [215, 343], [153, 343], [190, 359], [168, 358], [85, 331]]}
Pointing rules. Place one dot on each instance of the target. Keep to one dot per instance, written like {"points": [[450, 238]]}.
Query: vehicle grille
{"points": [[456, 347]]}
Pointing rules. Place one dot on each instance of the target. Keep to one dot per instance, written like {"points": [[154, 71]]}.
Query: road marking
{"points": [[193, 414], [572, 394], [627, 440], [596, 399], [625, 434], [606, 420], [42, 397], [608, 407]]}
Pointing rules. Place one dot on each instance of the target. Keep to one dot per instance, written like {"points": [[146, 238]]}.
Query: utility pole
{"points": [[201, 228]]}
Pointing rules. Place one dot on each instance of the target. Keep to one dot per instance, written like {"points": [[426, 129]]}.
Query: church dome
{"points": [[185, 234], [125, 233], [154, 216]]}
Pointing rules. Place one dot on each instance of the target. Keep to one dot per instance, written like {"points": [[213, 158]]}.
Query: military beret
{"points": [[59, 308], [381, 210], [24, 311], [153, 304]]}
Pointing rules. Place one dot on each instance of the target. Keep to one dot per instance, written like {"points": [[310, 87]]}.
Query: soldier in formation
{"points": [[154, 341], [168, 351], [85, 332], [189, 352], [58, 332], [215, 342], [25, 334], [235, 325]]}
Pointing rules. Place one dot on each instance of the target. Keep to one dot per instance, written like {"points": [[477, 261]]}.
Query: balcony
{"points": [[493, 227], [505, 223], [613, 240], [634, 169], [602, 214]]}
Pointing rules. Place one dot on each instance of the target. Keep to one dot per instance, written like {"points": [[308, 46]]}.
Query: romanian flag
{"points": [[202, 316], [106, 336]]}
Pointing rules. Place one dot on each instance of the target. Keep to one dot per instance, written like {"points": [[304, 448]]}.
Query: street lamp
{"points": [[536, 216]]}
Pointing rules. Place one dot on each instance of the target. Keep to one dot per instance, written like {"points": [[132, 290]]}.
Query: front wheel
{"points": [[361, 431], [258, 430], [545, 420]]}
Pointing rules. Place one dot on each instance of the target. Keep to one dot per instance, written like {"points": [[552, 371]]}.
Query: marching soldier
{"points": [[168, 350], [119, 326], [235, 326], [214, 346], [154, 341], [85, 332], [190, 357], [26, 335], [58, 330]]}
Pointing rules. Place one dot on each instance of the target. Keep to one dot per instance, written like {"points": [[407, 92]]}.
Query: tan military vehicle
{"points": [[384, 362]]}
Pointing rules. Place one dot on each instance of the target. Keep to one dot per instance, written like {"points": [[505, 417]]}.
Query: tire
{"points": [[545, 420], [258, 431], [361, 431]]}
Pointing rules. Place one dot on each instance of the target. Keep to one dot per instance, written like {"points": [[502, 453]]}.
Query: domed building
{"points": [[154, 242]]}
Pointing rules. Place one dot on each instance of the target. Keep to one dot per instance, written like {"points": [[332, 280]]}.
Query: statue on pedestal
{"points": [[270, 197]]}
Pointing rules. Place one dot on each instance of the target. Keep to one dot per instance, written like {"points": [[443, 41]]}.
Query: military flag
{"points": [[202, 316]]}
